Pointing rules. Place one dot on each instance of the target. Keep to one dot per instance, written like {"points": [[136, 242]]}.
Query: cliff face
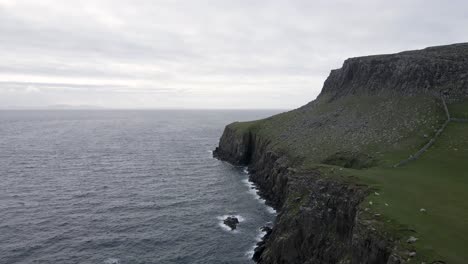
{"points": [[234, 147], [369, 112], [318, 220], [436, 70], [270, 169]]}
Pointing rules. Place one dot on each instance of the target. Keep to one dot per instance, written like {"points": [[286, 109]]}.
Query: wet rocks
{"points": [[261, 245], [231, 221]]}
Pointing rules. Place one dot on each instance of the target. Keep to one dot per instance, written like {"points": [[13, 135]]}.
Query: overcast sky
{"points": [[202, 53]]}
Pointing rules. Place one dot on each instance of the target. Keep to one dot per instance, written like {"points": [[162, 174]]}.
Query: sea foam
{"points": [[254, 191]]}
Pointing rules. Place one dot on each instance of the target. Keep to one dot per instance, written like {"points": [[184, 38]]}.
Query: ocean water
{"points": [[123, 187]]}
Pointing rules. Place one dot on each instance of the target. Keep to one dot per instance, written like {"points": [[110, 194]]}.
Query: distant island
{"points": [[374, 170], [53, 107]]}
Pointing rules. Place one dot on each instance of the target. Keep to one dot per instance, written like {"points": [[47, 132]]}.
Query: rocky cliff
{"points": [[372, 111], [436, 70], [318, 220]]}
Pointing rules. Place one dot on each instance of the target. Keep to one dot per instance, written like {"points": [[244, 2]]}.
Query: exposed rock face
{"points": [[234, 149], [320, 220], [260, 248], [435, 70]]}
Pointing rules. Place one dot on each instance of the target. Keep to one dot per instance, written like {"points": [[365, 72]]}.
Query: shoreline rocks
{"points": [[261, 244], [231, 221]]}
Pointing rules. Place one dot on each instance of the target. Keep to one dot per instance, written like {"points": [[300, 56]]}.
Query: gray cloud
{"points": [[204, 53]]}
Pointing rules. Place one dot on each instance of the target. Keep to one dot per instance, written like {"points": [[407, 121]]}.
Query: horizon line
{"points": [[139, 109]]}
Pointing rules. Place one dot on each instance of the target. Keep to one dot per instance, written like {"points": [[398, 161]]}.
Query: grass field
{"points": [[437, 183], [428, 196], [459, 110]]}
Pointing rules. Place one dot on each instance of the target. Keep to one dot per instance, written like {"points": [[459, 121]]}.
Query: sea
{"points": [[124, 186]]}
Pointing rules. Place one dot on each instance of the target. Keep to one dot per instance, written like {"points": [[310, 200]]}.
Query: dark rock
{"points": [[261, 244], [232, 222], [258, 252], [237, 151], [436, 70]]}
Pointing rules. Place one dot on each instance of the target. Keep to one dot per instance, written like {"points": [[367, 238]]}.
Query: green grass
{"points": [[387, 130], [459, 110], [437, 182]]}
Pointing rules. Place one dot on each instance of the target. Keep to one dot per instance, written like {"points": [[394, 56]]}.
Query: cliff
{"points": [[436, 70], [318, 220], [313, 164]]}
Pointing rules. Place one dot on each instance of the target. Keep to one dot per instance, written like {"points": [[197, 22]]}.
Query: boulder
{"points": [[232, 222]]}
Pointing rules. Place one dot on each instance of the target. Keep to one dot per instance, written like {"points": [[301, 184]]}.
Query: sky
{"points": [[201, 54]]}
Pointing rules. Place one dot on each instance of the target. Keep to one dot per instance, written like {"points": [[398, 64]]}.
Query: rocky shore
{"points": [[318, 218]]}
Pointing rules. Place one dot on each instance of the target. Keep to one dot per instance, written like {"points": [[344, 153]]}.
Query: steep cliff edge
{"points": [[316, 165], [318, 220], [436, 70]]}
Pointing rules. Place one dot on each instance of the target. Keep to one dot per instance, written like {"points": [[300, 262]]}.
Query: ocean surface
{"points": [[123, 187]]}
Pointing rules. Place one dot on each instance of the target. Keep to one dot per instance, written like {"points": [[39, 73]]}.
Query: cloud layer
{"points": [[203, 53]]}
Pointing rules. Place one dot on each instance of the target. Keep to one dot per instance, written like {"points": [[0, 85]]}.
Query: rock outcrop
{"points": [[231, 221], [234, 148], [439, 70], [260, 247]]}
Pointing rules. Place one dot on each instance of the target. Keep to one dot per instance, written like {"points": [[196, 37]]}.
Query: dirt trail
{"points": [[433, 139]]}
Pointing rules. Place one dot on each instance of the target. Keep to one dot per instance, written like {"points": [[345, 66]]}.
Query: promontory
{"points": [[374, 170]]}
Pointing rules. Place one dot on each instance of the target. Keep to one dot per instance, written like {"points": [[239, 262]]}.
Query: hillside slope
{"points": [[328, 166]]}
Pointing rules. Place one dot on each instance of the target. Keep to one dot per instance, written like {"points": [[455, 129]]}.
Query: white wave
{"points": [[211, 154], [271, 210], [227, 228], [260, 235], [112, 261], [258, 238], [246, 182], [254, 191], [250, 253]]}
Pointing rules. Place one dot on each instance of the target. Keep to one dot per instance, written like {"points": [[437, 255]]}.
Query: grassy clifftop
{"points": [[370, 129], [375, 112]]}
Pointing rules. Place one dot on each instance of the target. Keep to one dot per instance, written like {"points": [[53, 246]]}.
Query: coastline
{"points": [[265, 229], [286, 191], [254, 191], [328, 166]]}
